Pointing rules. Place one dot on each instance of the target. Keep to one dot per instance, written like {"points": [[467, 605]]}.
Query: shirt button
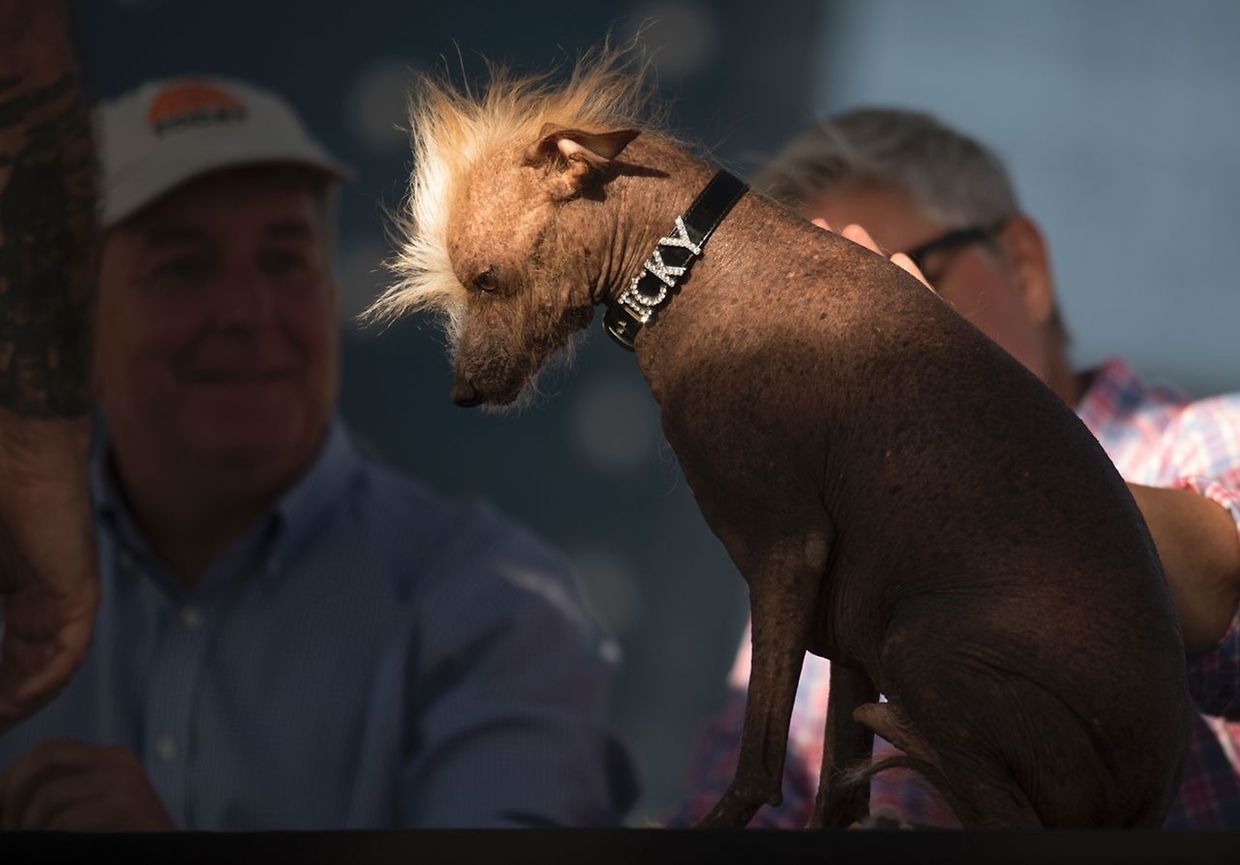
{"points": [[610, 652], [166, 748], [192, 618]]}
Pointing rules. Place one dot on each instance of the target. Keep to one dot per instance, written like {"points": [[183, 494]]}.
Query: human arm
{"points": [[48, 581], [509, 675], [1199, 547], [1198, 537]]}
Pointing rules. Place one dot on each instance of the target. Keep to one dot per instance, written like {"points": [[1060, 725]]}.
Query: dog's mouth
{"points": [[469, 393]]}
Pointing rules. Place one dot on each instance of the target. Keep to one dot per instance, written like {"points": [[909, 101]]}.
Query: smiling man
{"points": [[290, 637], [216, 364]]}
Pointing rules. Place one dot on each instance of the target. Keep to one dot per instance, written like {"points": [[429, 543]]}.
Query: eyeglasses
{"points": [[955, 239]]}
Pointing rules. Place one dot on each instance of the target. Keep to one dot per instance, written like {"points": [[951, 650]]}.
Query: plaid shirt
{"points": [[1155, 436]]}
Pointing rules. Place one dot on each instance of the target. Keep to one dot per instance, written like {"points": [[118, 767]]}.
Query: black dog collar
{"points": [[669, 264]]}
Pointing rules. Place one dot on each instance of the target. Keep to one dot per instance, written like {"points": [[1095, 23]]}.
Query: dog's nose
{"points": [[465, 394]]}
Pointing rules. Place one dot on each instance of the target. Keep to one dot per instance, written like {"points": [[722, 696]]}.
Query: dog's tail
{"points": [[862, 773]]}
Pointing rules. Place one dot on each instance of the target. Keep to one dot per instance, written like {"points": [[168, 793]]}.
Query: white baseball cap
{"points": [[165, 133]]}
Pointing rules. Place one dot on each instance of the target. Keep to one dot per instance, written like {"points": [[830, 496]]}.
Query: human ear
{"points": [[1026, 254]]}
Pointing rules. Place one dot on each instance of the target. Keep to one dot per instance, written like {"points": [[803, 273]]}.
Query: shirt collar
{"points": [[297, 512], [111, 510], [1115, 394], [302, 508]]}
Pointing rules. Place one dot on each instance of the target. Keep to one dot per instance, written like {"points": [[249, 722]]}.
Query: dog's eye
{"points": [[485, 281]]}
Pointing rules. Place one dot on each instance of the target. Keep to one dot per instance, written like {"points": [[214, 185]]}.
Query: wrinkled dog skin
{"points": [[900, 495]]}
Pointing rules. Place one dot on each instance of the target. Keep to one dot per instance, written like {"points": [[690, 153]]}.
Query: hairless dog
{"points": [[900, 495]]}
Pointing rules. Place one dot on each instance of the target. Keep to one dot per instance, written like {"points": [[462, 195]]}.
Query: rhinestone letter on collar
{"points": [[642, 304]]}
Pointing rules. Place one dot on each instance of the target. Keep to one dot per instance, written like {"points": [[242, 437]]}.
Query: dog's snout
{"points": [[464, 393]]}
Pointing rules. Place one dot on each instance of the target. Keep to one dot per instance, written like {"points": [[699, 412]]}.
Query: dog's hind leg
{"points": [[783, 586], [983, 796], [839, 805]]}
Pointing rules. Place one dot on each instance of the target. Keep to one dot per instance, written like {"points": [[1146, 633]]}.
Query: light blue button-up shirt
{"points": [[366, 655]]}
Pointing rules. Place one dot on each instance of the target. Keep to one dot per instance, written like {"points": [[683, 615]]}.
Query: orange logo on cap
{"points": [[193, 103]]}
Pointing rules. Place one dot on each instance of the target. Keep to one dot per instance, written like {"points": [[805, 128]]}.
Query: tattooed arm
{"points": [[48, 581]]}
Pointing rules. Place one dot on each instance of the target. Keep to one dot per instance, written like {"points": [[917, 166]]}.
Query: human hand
{"points": [[860, 236], [48, 572], [77, 787]]}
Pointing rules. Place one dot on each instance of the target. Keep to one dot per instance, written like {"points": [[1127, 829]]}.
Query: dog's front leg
{"points": [[839, 805], [783, 587]]}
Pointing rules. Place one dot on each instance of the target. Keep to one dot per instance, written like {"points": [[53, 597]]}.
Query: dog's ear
{"points": [[574, 158]]}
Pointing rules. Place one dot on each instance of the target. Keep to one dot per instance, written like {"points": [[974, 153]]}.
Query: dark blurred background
{"points": [[1119, 119]]}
